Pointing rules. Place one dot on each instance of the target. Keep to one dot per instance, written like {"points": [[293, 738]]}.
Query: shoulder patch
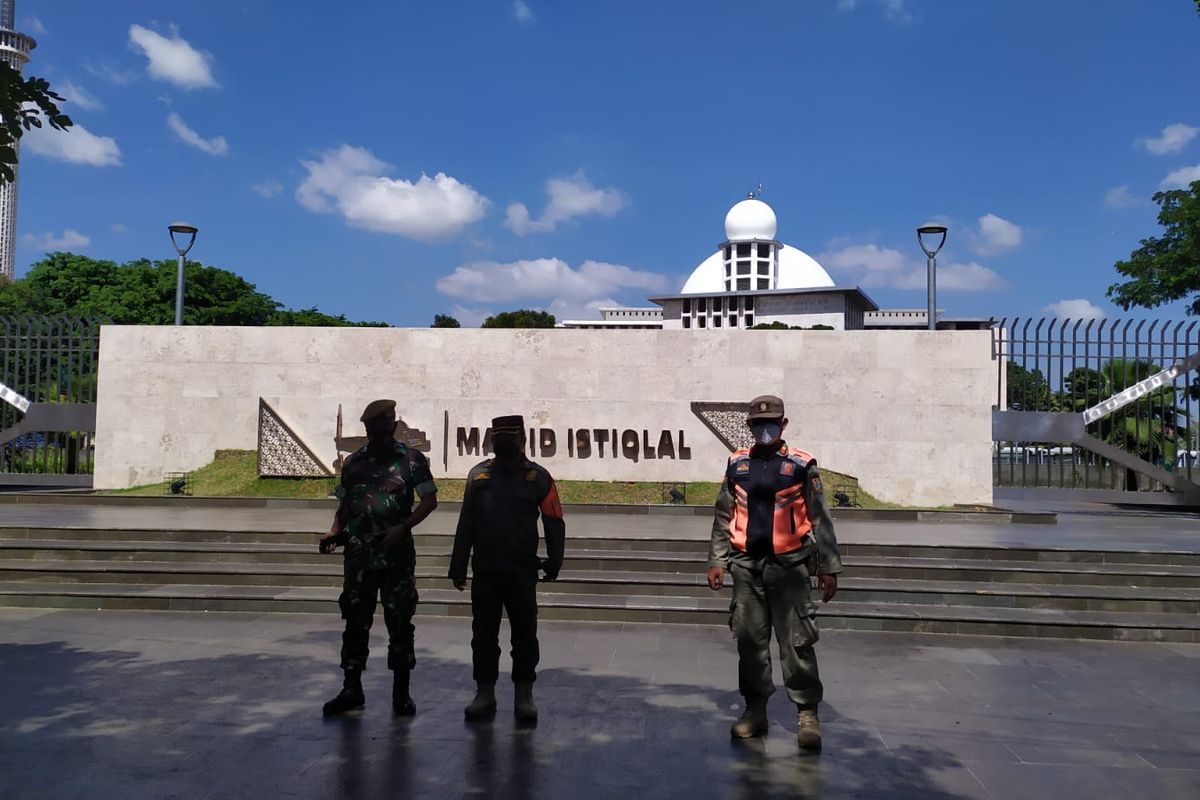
{"points": [[817, 486], [531, 474], [788, 467], [742, 467], [482, 475]]}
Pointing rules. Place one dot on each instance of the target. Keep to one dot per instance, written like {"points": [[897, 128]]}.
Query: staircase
{"points": [[1143, 596]]}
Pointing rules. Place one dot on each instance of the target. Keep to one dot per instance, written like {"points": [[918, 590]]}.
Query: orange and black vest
{"points": [[770, 516]]}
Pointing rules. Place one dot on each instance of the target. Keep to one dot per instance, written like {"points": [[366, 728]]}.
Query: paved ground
{"points": [[175, 705], [1100, 529]]}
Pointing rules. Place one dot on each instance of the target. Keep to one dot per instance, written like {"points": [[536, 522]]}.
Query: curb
{"points": [[998, 516]]}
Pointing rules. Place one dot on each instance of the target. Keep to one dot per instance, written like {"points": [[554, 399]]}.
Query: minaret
{"points": [[14, 48]]}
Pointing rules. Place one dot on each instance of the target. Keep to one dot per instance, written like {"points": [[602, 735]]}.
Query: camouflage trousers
{"points": [[771, 597], [396, 588]]}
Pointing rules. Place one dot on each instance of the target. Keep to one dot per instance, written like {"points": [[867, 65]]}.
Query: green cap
{"points": [[766, 406]]}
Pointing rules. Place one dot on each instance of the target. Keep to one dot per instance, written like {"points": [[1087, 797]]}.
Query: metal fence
{"points": [[1134, 385], [52, 363]]}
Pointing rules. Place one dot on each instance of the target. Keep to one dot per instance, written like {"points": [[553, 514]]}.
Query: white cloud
{"points": [[79, 96], [35, 26], [76, 146], [108, 72], [217, 146], [872, 266], [348, 180], [573, 196], [173, 59], [548, 279], [1172, 140], [1181, 178], [523, 12], [470, 317], [996, 235], [1075, 309], [894, 9], [268, 188], [119, 227], [1120, 197], [70, 239]]}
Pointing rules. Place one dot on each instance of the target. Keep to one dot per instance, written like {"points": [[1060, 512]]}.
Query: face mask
{"points": [[506, 448], [766, 433]]}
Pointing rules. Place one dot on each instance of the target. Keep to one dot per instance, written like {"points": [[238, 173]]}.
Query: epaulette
{"points": [[800, 457], [739, 454]]}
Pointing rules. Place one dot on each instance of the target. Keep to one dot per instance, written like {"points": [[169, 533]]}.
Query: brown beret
{"points": [[378, 408], [766, 406]]}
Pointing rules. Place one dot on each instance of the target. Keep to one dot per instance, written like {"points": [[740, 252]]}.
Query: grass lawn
{"points": [[234, 473]]}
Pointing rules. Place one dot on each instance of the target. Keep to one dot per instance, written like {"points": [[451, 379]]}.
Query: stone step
{"points": [[681, 585], [972, 620], [441, 539], [944, 569]]}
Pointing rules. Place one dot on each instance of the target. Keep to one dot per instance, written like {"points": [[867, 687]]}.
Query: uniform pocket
{"points": [[806, 632]]}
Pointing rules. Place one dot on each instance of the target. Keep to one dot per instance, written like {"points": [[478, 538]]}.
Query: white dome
{"points": [[750, 219], [797, 270]]}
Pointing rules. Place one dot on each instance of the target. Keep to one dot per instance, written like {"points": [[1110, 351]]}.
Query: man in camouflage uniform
{"points": [[498, 524], [772, 530], [374, 523]]}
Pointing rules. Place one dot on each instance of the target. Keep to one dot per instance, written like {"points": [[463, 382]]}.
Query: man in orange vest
{"points": [[771, 531]]}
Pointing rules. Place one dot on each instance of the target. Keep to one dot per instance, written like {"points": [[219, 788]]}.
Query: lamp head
{"points": [[931, 229], [182, 229]]}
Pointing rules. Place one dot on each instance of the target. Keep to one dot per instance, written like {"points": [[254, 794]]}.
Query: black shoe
{"points": [[404, 706], [347, 700]]}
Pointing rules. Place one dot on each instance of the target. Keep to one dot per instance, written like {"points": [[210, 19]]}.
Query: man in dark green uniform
{"points": [[374, 523], [772, 530], [503, 498]]}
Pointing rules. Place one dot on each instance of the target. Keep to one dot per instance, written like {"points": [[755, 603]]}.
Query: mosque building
{"points": [[755, 279]]}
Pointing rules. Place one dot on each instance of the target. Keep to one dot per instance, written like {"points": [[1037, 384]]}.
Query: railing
{"points": [[52, 363], [1145, 369]]}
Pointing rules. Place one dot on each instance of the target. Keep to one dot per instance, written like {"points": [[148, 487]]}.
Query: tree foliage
{"points": [[444, 321], [781, 326], [521, 318], [142, 292], [22, 101], [1165, 268]]}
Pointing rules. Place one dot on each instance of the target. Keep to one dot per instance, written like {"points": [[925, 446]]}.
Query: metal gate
{"points": [[1102, 410], [48, 391]]}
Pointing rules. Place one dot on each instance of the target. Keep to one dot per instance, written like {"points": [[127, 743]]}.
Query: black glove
{"points": [[551, 570]]}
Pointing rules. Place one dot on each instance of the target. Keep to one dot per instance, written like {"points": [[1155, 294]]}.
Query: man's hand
{"points": [[716, 578], [551, 570], [459, 583], [328, 543], [828, 584], [394, 536]]}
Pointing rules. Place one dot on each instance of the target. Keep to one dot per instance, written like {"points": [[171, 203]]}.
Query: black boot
{"points": [[402, 702], [350, 698]]}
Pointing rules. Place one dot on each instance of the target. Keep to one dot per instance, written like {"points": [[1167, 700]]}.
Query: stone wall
{"points": [[908, 413]]}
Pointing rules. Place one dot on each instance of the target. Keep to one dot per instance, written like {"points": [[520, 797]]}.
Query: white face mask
{"points": [[766, 433]]}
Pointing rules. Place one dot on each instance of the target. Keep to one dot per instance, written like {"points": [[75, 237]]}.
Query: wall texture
{"points": [[908, 413]]}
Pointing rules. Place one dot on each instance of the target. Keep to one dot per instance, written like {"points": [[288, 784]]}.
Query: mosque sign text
{"points": [[584, 443]]}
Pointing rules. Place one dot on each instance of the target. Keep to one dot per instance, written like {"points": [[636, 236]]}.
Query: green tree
{"points": [[22, 100], [143, 293], [780, 326], [444, 321], [312, 318], [1028, 389], [521, 318], [1166, 268]]}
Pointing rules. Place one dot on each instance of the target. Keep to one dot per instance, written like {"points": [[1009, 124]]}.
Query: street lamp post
{"points": [[932, 229], [183, 229]]}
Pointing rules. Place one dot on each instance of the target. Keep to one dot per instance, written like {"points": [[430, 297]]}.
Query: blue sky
{"points": [[369, 157]]}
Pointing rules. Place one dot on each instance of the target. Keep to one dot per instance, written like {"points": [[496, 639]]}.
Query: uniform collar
{"points": [[757, 451]]}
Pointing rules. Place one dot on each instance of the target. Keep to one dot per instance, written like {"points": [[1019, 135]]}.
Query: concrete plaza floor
{"points": [[178, 705]]}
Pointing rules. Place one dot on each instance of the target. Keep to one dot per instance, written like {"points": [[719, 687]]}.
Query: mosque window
{"points": [[743, 284], [732, 321], [700, 322], [687, 322], [743, 250], [733, 303], [764, 268], [743, 268], [687, 305], [764, 251], [749, 302], [716, 322], [749, 320], [764, 283], [703, 304], [717, 304], [727, 252]]}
